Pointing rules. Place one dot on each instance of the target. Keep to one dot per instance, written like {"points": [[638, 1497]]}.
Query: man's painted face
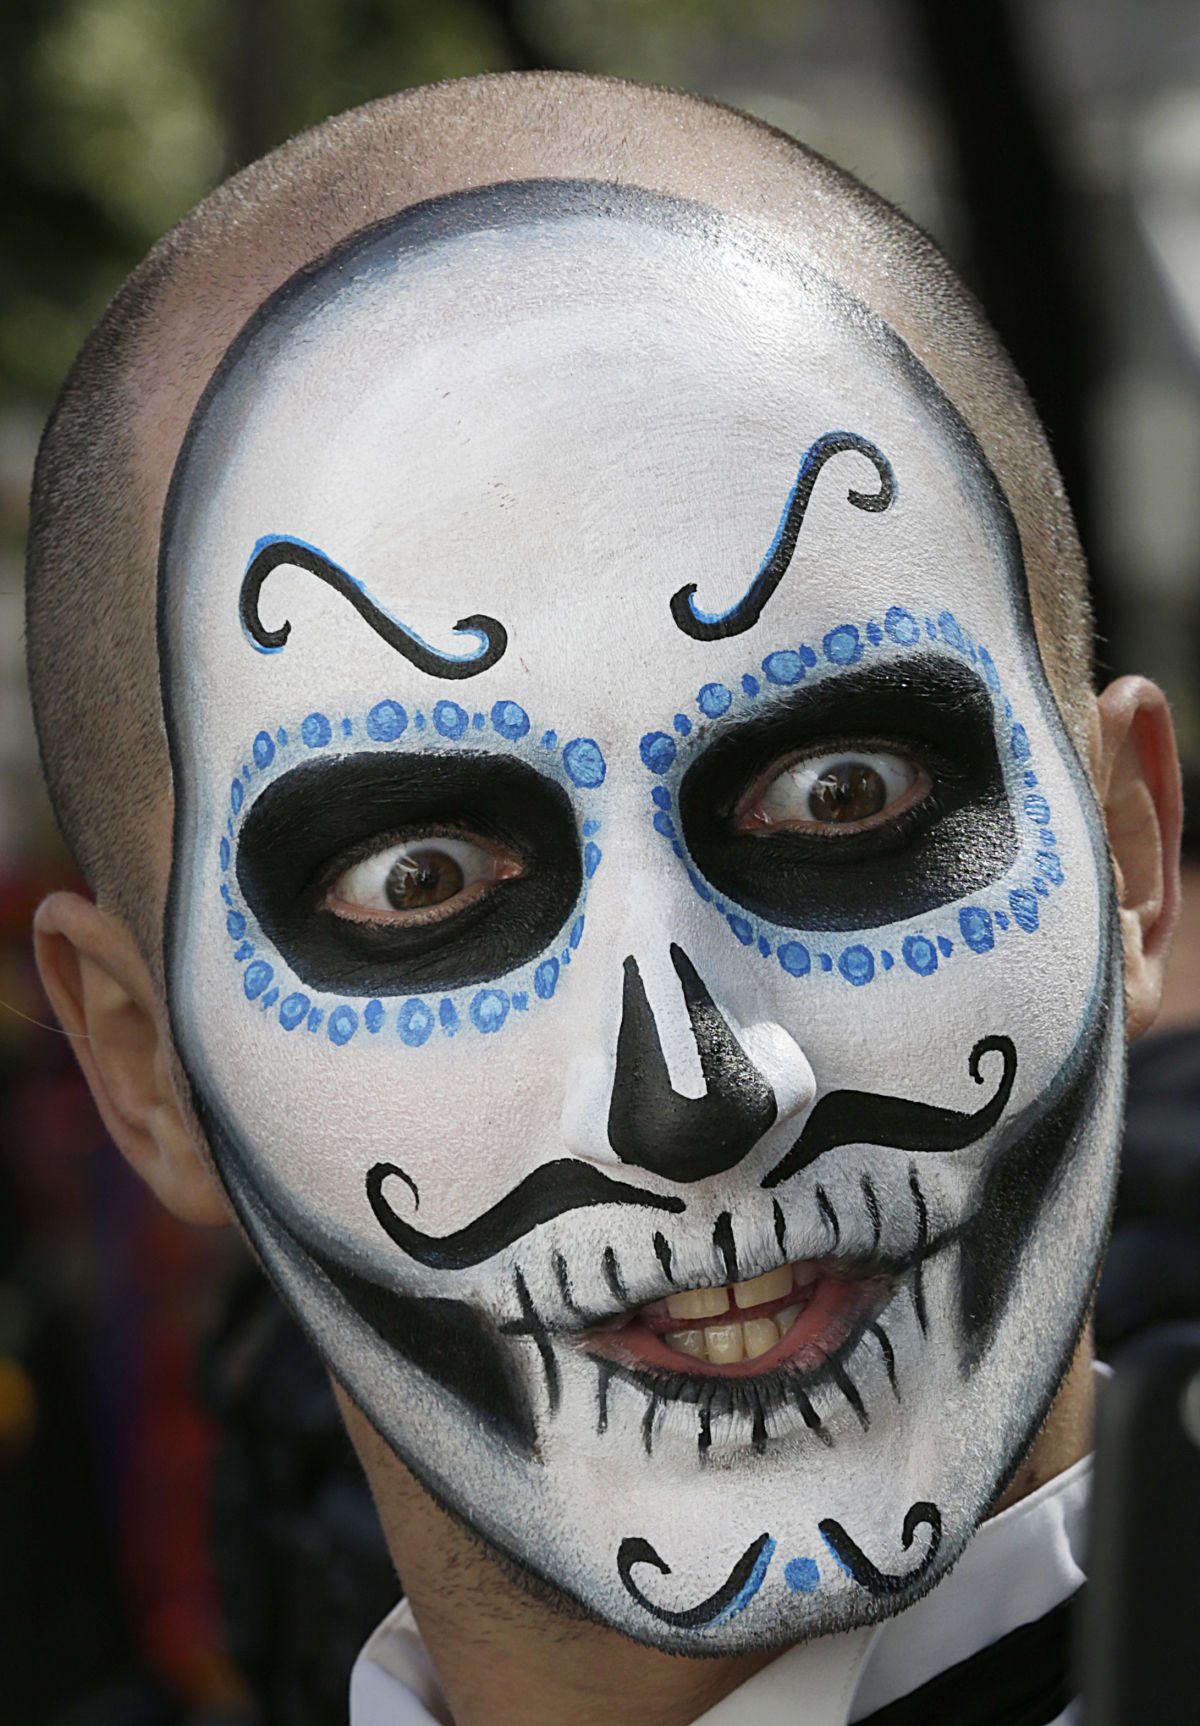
{"points": [[639, 937]]}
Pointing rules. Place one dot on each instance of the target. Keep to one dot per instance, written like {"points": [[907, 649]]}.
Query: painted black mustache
{"points": [[546, 1193], [291, 551], [864, 1118]]}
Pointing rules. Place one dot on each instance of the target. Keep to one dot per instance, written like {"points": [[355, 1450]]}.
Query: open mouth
{"points": [[798, 1314]]}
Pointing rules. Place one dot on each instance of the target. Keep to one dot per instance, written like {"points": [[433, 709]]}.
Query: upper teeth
{"points": [[757, 1291]]}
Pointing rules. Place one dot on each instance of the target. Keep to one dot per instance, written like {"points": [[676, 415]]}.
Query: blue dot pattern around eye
{"points": [[1037, 808], [784, 666], [448, 1017], [316, 731], [489, 1009], [901, 626], [743, 930], [682, 724], [1019, 743], [236, 795], [842, 645], [449, 719], [235, 925], [857, 964], [584, 763], [802, 1575], [919, 954], [509, 721], [975, 924], [714, 700], [386, 721], [224, 853], [293, 1010], [750, 685], [343, 1022], [951, 633], [414, 1023], [657, 751], [545, 979], [264, 750], [591, 858], [373, 1016], [256, 977], [795, 958], [1024, 908]]}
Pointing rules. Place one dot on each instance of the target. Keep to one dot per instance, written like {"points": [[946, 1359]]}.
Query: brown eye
{"points": [[834, 789], [850, 791], [420, 878]]}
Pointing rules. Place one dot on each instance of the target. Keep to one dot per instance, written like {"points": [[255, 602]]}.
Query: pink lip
{"points": [[836, 1305]]}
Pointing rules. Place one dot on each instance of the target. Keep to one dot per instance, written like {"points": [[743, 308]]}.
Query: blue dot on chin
{"points": [[919, 954], [901, 626], [976, 926], [584, 763], [264, 750], [385, 721], [489, 1010], [343, 1022], [449, 719], [661, 797], [256, 977], [292, 1009], [714, 700], [657, 751], [682, 724], [448, 1017], [842, 645], [802, 1575], [795, 958], [857, 965], [545, 979], [741, 928], [316, 731], [236, 796], [750, 685], [373, 1016], [783, 667], [414, 1023], [224, 853], [576, 935], [509, 720], [591, 858]]}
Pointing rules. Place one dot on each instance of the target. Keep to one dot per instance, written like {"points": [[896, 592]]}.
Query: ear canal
{"points": [[649, 1124]]}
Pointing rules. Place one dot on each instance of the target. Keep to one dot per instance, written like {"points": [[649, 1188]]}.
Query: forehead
{"points": [[556, 404]]}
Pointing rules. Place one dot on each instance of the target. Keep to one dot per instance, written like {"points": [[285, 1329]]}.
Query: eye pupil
{"points": [[848, 791], [420, 878]]}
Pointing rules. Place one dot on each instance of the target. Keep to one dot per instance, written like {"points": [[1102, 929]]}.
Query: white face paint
{"points": [[730, 899]]}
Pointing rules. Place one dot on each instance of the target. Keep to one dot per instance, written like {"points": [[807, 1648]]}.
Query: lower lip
{"points": [[836, 1308]]}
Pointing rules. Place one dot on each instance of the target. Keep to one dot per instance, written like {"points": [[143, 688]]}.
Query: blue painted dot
{"points": [[661, 796], [478, 721], [1024, 908], [1037, 808], [1031, 779], [566, 955], [874, 633], [343, 1022], [677, 848], [901, 626], [1001, 920], [549, 739], [951, 633], [591, 825], [584, 763], [976, 926], [807, 654], [414, 1023], [1048, 837], [281, 738], [246, 773], [236, 796], [1019, 743], [244, 952], [226, 895], [373, 1016], [269, 999], [489, 1010], [946, 945], [264, 749], [741, 929], [784, 667], [1050, 865], [316, 731], [591, 858], [448, 1017], [520, 1001], [576, 935], [509, 720], [313, 1022], [449, 719], [256, 978], [857, 965], [802, 1575], [885, 959], [842, 645], [794, 957], [682, 724], [545, 979], [714, 700], [1007, 708], [1040, 887], [826, 962], [698, 884], [224, 853], [418, 722], [663, 824], [292, 1009], [386, 721], [720, 907], [749, 685], [920, 954], [991, 675], [235, 925], [657, 751], [764, 946], [347, 727]]}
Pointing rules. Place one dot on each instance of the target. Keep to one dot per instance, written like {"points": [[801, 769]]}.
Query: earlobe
{"points": [[1137, 781], [100, 987]]}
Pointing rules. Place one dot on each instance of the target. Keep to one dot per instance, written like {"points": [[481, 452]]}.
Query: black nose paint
{"points": [[649, 1124]]}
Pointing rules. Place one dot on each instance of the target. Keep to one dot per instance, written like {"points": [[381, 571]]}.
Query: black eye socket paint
{"points": [[956, 841], [310, 824]]}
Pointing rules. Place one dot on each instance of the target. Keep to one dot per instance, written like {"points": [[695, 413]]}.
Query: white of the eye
{"points": [[787, 797], [365, 884]]}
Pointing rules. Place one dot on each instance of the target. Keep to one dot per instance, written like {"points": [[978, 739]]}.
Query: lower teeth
{"points": [[726, 1344]]}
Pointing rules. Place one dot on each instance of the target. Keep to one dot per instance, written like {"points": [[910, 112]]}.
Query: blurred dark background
{"points": [[184, 1539]]}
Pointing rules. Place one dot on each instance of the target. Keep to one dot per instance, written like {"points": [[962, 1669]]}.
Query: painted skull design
{"points": [[639, 935]]}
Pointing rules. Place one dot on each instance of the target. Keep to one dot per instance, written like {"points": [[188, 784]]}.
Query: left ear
{"points": [[1136, 771]]}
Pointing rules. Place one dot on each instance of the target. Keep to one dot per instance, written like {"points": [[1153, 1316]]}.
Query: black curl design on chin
{"points": [[748, 610], [425, 658], [635, 1550], [554, 1188], [881, 1583], [865, 1118]]}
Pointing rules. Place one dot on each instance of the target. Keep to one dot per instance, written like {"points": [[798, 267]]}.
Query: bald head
{"points": [[113, 440]]}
